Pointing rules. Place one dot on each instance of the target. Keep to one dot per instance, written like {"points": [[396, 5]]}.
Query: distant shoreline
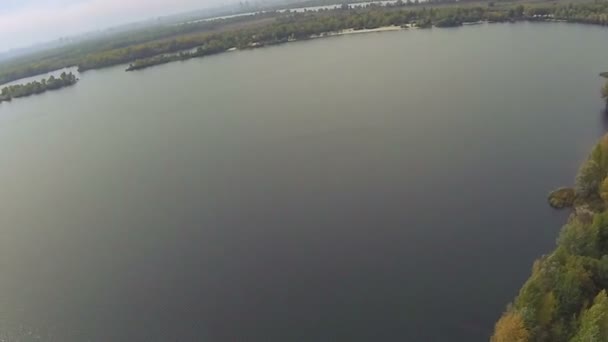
{"points": [[140, 50], [189, 54]]}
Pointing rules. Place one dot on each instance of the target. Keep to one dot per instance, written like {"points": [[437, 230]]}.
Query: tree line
{"points": [[300, 26], [36, 87], [274, 28]]}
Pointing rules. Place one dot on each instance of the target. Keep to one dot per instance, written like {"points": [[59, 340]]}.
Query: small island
{"points": [[37, 87]]}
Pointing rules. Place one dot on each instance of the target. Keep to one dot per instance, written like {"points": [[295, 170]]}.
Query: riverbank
{"points": [[565, 298], [201, 51]]}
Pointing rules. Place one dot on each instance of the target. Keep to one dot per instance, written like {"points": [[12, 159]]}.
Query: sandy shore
{"points": [[379, 29], [353, 31]]}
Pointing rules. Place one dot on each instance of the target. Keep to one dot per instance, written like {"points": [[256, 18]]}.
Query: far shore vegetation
{"points": [[161, 44], [37, 87]]}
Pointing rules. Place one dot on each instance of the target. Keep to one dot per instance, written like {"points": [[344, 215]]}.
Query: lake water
{"points": [[377, 187]]}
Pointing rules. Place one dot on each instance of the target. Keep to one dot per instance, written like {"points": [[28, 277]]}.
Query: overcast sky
{"points": [[25, 22]]}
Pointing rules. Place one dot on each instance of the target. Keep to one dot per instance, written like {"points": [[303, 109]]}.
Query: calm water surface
{"points": [[380, 187]]}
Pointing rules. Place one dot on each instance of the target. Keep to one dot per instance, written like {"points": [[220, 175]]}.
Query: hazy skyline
{"points": [[27, 22]]}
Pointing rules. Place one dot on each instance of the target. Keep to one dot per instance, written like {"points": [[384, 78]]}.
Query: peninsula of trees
{"points": [[565, 298], [36, 87], [165, 43]]}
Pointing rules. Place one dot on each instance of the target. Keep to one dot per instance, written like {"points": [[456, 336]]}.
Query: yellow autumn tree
{"points": [[547, 309], [510, 328], [604, 190]]}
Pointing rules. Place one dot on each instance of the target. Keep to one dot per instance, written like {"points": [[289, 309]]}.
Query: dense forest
{"points": [[36, 87], [565, 297], [163, 44]]}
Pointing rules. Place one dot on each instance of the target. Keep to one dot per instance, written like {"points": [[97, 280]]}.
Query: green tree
{"points": [[572, 286], [580, 238], [594, 321], [604, 93], [588, 179], [600, 155]]}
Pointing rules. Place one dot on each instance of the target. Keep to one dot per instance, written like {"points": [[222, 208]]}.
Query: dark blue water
{"points": [[379, 187]]}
